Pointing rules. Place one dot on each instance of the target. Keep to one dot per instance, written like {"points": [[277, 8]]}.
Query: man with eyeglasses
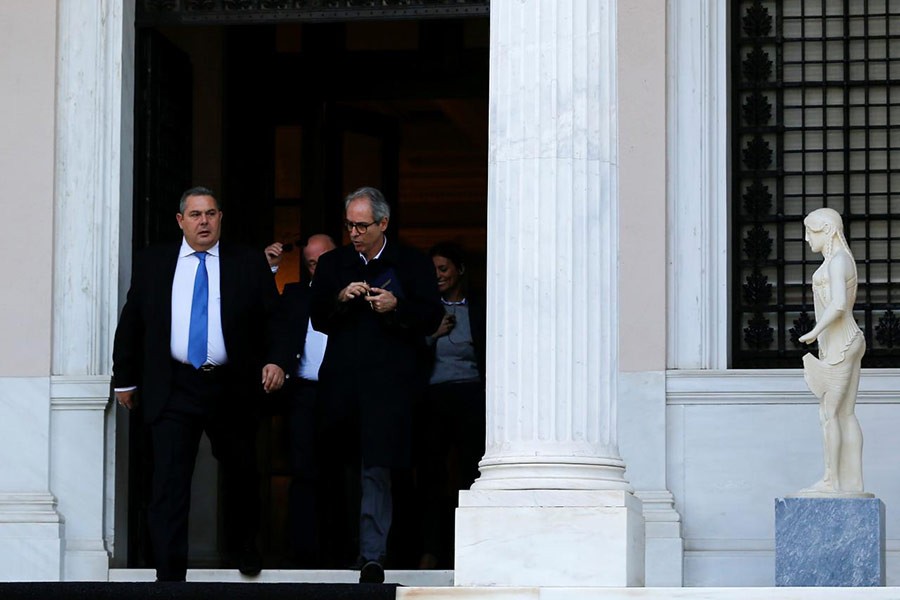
{"points": [[376, 300]]}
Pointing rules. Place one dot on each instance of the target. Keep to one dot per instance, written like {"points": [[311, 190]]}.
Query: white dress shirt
{"points": [[313, 353], [182, 295], [366, 260]]}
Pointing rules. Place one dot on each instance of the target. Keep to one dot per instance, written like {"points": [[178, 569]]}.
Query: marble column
{"points": [[92, 211], [552, 506]]}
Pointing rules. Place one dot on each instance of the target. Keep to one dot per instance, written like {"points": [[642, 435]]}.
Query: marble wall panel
{"points": [[728, 461], [24, 433]]}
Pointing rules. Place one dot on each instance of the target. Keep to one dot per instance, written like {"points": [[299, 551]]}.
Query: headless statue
{"points": [[834, 376]]}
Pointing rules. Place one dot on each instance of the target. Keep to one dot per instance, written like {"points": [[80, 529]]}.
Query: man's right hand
{"points": [[127, 399], [354, 290], [274, 253]]}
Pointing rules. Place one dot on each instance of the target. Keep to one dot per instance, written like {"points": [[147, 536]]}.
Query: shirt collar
{"points": [[186, 249], [383, 246]]}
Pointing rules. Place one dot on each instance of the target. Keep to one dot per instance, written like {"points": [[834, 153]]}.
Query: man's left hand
{"points": [[381, 300], [272, 378]]}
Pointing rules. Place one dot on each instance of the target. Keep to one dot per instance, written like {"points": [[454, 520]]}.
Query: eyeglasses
{"points": [[359, 227]]}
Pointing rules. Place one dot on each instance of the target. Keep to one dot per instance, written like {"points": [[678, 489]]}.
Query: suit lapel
{"points": [[303, 305], [351, 265], [390, 254], [228, 280]]}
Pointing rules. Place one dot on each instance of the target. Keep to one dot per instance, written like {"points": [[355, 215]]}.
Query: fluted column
{"points": [[92, 209], [553, 231], [552, 505]]}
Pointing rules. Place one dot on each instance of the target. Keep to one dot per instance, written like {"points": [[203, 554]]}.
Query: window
{"points": [[815, 122]]}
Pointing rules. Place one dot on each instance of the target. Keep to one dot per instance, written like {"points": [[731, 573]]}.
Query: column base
{"points": [[87, 561], [30, 552], [664, 556], [549, 538], [31, 534], [831, 542]]}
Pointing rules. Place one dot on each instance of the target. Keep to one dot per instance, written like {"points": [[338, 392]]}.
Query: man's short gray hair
{"points": [[380, 208], [196, 191]]}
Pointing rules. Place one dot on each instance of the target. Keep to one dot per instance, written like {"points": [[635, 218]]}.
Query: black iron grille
{"points": [[815, 122]]}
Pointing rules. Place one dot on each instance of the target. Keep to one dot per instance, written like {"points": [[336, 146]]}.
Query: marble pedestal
{"points": [[835, 542], [549, 538]]}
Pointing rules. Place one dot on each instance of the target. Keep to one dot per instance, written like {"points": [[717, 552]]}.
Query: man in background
{"points": [[312, 470]]}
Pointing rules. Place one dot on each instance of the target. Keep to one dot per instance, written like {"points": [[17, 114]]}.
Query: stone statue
{"points": [[834, 376]]}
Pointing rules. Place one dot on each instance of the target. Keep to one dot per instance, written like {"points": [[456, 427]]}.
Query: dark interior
{"points": [[283, 120]]}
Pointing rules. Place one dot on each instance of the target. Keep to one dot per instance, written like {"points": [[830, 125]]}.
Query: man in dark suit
{"points": [[197, 341], [376, 300], [311, 467]]}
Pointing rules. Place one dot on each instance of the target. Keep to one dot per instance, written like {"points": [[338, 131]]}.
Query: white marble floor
{"points": [[599, 593]]}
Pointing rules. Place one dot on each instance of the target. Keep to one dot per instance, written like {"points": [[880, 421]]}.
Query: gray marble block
{"points": [[829, 542]]}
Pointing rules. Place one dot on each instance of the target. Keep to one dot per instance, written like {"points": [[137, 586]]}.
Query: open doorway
{"points": [[282, 120]]}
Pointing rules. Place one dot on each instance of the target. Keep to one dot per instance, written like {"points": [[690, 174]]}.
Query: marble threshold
{"points": [[438, 585], [414, 578]]}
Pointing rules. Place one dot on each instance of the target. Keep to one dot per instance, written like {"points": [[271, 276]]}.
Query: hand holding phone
{"points": [[381, 300]]}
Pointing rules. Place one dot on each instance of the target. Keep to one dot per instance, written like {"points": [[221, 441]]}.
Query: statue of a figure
{"points": [[834, 376]]}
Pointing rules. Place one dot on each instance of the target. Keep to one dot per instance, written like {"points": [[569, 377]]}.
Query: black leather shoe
{"points": [[371, 572], [250, 562]]}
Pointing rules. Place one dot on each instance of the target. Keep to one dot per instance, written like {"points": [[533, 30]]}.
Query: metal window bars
{"points": [[815, 122]]}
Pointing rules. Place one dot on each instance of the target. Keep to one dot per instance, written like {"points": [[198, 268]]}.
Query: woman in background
{"points": [[452, 415]]}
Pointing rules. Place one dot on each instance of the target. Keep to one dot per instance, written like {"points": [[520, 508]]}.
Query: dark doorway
{"points": [[283, 120]]}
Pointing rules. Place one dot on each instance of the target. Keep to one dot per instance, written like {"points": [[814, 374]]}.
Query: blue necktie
{"points": [[197, 334]]}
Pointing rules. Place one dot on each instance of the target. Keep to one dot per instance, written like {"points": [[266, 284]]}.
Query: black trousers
{"points": [[201, 402], [321, 528], [304, 493], [451, 434]]}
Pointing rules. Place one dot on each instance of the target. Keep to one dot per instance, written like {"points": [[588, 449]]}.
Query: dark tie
{"points": [[197, 334]]}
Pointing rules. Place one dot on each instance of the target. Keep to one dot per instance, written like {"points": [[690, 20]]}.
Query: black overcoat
{"points": [[375, 363]]}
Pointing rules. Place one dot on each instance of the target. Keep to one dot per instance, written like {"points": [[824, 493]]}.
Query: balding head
{"points": [[316, 246]]}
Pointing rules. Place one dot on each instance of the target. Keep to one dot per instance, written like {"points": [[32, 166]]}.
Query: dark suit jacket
{"points": [[375, 363], [141, 352], [294, 318]]}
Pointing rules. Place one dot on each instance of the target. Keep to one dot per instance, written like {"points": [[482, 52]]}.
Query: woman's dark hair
{"points": [[452, 252]]}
